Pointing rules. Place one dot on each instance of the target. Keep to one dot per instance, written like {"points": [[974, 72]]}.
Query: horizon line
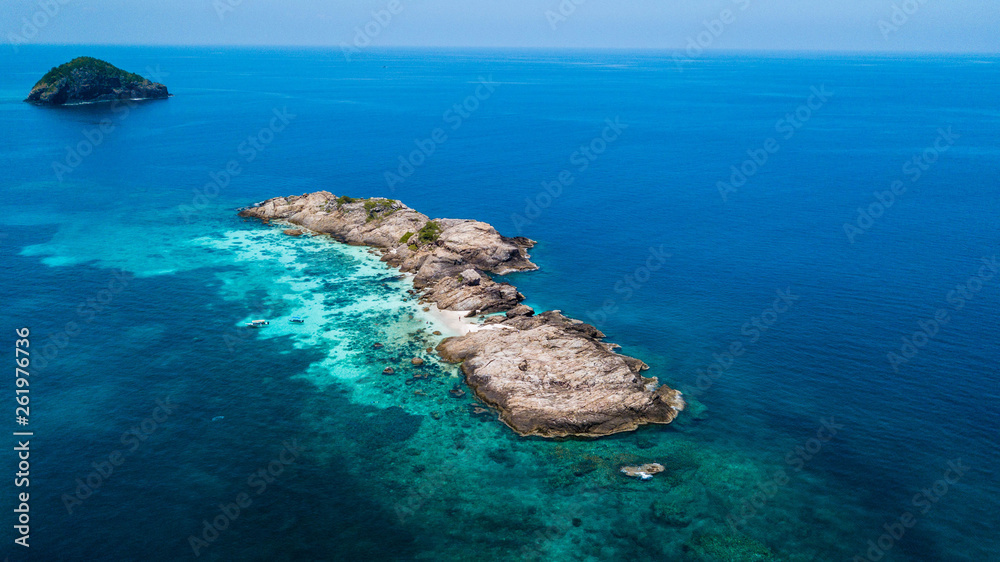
{"points": [[517, 47]]}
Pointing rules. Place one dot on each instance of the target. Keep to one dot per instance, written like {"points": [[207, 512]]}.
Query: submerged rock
{"points": [[477, 411], [584, 467], [86, 79], [293, 232], [671, 513], [731, 547]]}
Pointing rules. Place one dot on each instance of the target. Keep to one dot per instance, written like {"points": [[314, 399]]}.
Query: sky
{"points": [[827, 25]]}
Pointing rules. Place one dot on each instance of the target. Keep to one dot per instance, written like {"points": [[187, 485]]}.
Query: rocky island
{"points": [[87, 80], [548, 375]]}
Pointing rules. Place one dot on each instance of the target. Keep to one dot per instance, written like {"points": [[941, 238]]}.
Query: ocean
{"points": [[804, 244]]}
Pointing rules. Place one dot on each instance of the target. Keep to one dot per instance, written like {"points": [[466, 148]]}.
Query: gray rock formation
{"points": [[548, 375], [437, 252], [553, 376], [470, 277], [521, 310]]}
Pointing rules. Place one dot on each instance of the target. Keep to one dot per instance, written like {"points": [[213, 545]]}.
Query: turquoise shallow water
{"points": [[158, 273]]}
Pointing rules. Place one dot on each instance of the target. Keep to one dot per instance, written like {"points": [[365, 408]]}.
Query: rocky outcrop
{"points": [[642, 472], [485, 297], [547, 374], [552, 376], [521, 310], [86, 79], [444, 255]]}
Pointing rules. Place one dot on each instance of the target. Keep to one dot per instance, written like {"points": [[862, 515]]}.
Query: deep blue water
{"points": [[381, 478]]}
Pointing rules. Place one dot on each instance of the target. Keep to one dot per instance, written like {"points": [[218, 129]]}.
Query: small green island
{"points": [[90, 80]]}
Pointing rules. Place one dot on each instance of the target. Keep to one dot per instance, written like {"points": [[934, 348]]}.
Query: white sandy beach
{"points": [[454, 320]]}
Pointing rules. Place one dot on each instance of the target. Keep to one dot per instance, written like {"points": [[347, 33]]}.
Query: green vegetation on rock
{"points": [[380, 208], [86, 79], [429, 233], [406, 238], [100, 68]]}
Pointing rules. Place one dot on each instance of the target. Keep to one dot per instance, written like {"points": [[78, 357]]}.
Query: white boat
{"points": [[257, 323]]}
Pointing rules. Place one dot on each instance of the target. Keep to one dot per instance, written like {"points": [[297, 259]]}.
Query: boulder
{"points": [[521, 310], [642, 472], [471, 277]]}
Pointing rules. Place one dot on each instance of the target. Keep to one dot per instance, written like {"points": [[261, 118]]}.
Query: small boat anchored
{"points": [[297, 320], [257, 323]]}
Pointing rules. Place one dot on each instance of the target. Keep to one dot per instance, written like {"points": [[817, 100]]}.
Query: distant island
{"points": [[548, 375], [89, 80]]}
